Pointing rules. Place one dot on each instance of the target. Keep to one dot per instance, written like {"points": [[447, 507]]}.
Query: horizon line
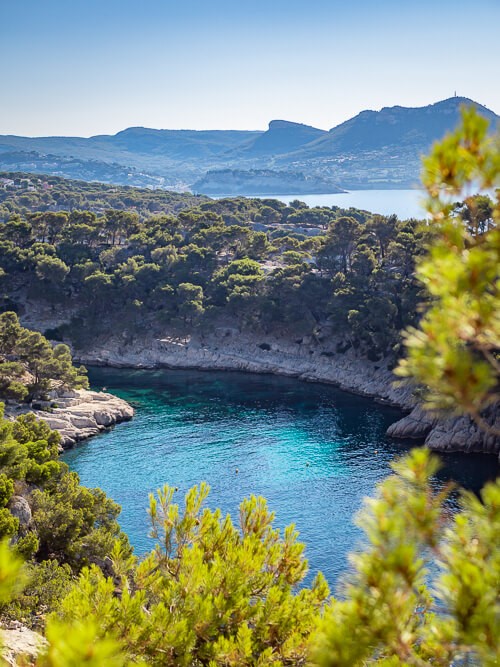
{"points": [[185, 129]]}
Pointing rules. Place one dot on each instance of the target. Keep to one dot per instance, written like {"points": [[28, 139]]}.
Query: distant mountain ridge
{"points": [[391, 126], [282, 136], [372, 149], [182, 144]]}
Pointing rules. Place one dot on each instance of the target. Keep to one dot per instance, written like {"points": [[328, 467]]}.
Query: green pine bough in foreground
{"points": [[212, 593], [215, 594]]}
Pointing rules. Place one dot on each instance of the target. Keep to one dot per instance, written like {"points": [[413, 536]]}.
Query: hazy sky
{"points": [[83, 67]]}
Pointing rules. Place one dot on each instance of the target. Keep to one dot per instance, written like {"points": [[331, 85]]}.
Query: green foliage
{"points": [[209, 593], [396, 609], [190, 298], [30, 366], [6, 489], [78, 644], [51, 269], [455, 352], [27, 428], [9, 525], [46, 584], [120, 260], [85, 201], [11, 576], [69, 645], [239, 281], [73, 524]]}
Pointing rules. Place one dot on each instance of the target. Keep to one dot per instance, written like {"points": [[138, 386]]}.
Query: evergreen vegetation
{"points": [[455, 352], [23, 193], [30, 367], [52, 521], [259, 263], [213, 594]]}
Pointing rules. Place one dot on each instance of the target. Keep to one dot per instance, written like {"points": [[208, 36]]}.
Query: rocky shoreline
{"points": [[79, 414], [318, 359]]}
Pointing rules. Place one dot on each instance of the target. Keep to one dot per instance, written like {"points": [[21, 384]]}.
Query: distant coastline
{"points": [[403, 202]]}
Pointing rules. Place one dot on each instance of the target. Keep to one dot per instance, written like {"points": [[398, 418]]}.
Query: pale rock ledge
{"points": [[80, 414], [20, 645]]}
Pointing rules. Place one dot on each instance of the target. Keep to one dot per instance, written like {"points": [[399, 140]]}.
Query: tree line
{"points": [[24, 192], [265, 265]]}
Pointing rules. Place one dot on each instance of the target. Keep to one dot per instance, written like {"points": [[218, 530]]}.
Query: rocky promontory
{"points": [[447, 433], [78, 414], [254, 182]]}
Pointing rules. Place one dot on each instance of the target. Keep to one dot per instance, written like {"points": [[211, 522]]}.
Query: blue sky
{"points": [[74, 67]]}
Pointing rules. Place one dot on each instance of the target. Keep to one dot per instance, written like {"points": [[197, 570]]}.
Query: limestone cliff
{"points": [[319, 359]]}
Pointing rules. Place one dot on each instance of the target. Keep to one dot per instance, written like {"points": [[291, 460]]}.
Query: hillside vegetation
{"points": [[216, 593], [260, 264], [23, 193]]}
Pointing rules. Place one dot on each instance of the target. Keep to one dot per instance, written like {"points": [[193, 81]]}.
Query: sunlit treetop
{"points": [[455, 352]]}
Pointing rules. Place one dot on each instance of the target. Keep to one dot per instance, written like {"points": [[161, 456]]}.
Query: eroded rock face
{"points": [[228, 349], [309, 358], [81, 414], [19, 508]]}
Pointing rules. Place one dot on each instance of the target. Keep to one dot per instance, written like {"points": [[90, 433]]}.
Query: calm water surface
{"points": [[308, 448], [404, 203]]}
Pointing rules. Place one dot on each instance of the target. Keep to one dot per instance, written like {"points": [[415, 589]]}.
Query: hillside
{"points": [[261, 182], [25, 192], [178, 144], [282, 136], [393, 127], [374, 149], [79, 168]]}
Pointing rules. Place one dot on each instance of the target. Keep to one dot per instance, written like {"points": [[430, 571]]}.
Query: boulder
{"points": [[19, 508], [20, 645]]}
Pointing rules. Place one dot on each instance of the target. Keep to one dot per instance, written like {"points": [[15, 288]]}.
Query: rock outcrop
{"points": [[20, 509], [320, 358], [80, 414], [447, 434], [307, 358], [20, 645]]}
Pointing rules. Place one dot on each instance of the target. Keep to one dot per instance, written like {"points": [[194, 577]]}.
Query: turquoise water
{"points": [[313, 451]]}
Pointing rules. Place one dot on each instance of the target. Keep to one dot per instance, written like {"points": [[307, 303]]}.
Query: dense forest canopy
{"points": [[257, 263], [23, 192]]}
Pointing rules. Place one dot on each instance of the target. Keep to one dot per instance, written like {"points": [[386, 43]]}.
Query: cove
{"points": [[312, 450]]}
